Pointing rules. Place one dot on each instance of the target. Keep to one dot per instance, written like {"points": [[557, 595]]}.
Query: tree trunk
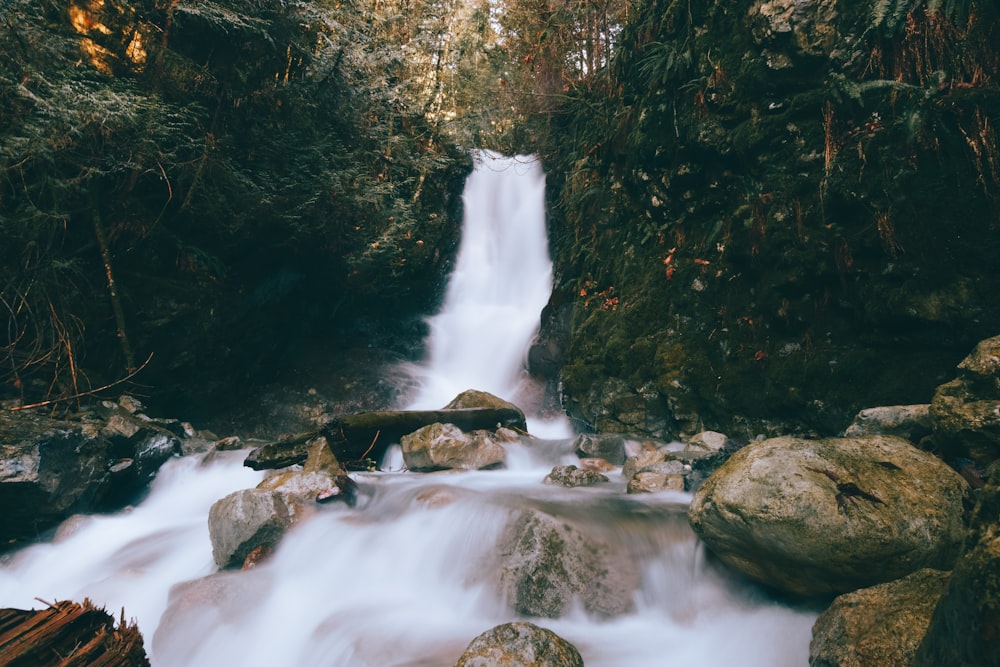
{"points": [[116, 304]]}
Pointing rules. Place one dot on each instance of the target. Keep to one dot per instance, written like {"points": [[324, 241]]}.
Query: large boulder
{"points": [[550, 565], [965, 628], [49, 469], [247, 520], [520, 645], [965, 413], [880, 625], [824, 517], [444, 446]]}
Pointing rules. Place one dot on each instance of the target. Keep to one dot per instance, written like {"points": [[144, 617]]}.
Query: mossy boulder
{"points": [[814, 518]]}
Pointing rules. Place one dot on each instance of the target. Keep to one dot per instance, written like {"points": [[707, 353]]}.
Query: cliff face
{"points": [[771, 214]]}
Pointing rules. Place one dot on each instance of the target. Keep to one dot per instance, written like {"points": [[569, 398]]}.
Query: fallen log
{"points": [[69, 634], [364, 435]]}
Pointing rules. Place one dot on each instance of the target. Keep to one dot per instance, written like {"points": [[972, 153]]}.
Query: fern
{"points": [[889, 16]]}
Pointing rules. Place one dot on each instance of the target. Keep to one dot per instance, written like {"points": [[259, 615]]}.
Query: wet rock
{"points": [[570, 476], [445, 446], [520, 644], [821, 517], [549, 565], [964, 630], [965, 413], [245, 520], [472, 398], [49, 469], [649, 481], [910, 422], [653, 470], [229, 444], [707, 441], [596, 465], [607, 446], [880, 625], [320, 458], [646, 457], [806, 27]]}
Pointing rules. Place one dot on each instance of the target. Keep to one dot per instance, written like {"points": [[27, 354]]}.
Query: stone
{"points": [[245, 520], [549, 565], [964, 630], [229, 444], [520, 644], [910, 422], [880, 625], [49, 469], [707, 441], [445, 446], [320, 458], [570, 476], [649, 481], [645, 458], [607, 446], [806, 27], [814, 518], [472, 398]]}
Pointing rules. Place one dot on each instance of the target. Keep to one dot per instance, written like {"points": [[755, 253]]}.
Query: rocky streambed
{"points": [[888, 529]]}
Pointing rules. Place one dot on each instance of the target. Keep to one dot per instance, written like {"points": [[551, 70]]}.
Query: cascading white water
{"points": [[501, 281], [408, 577]]}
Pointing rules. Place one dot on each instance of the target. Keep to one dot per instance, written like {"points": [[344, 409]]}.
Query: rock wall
{"points": [[784, 212]]}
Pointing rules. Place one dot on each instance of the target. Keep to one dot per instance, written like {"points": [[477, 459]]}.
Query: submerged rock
{"points": [[245, 520], [570, 476], [824, 517], [549, 565], [520, 644], [880, 625]]}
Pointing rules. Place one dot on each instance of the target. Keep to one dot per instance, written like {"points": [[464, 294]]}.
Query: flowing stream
{"points": [[408, 577]]}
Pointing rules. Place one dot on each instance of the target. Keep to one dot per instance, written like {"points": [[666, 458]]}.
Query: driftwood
{"points": [[69, 634], [368, 434]]}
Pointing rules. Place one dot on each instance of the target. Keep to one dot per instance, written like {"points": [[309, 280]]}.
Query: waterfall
{"points": [[409, 577], [501, 281]]}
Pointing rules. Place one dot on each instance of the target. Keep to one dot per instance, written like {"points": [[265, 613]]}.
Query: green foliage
{"points": [[229, 151]]}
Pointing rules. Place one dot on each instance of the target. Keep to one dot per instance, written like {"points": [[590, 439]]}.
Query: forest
{"points": [[763, 215]]}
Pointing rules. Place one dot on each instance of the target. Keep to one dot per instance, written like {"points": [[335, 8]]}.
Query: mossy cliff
{"points": [[767, 215]]}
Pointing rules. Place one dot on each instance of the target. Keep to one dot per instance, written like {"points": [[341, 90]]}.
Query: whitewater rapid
{"points": [[408, 578]]}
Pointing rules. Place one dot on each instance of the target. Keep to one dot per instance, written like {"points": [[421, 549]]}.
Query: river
{"points": [[408, 577]]}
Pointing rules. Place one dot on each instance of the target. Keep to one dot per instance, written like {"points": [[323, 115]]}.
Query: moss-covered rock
{"points": [[791, 218]]}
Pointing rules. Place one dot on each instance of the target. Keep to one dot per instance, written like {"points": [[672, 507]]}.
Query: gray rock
{"points": [[963, 629], [910, 422], [571, 476], [245, 520], [607, 446], [965, 413], [707, 441], [548, 565], [880, 625], [821, 517], [444, 446], [49, 469], [651, 481], [520, 644]]}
